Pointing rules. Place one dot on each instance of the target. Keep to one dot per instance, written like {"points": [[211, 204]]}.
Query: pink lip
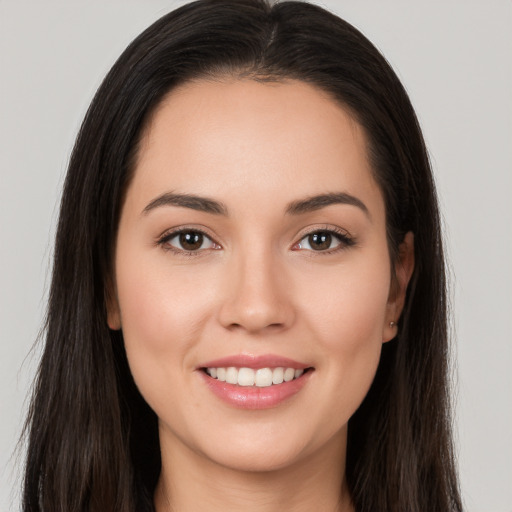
{"points": [[248, 397], [255, 362]]}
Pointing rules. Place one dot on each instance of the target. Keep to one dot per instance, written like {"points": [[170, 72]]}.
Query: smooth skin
{"points": [[256, 281]]}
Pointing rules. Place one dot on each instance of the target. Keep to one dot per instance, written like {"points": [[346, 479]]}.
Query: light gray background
{"points": [[454, 58]]}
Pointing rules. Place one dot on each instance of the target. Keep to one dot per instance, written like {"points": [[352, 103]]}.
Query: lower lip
{"points": [[251, 397]]}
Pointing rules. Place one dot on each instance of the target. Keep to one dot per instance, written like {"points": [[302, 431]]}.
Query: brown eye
{"points": [[320, 241], [324, 241], [189, 241]]}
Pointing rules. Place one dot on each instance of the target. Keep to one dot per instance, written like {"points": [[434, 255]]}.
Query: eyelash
{"points": [[164, 240], [345, 241]]}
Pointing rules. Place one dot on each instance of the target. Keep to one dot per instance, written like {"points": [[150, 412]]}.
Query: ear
{"points": [[112, 304], [404, 267]]}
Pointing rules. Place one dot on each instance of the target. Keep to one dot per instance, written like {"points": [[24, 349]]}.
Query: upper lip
{"points": [[255, 362]]}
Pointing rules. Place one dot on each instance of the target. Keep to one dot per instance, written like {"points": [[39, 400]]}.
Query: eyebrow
{"points": [[204, 204], [318, 202]]}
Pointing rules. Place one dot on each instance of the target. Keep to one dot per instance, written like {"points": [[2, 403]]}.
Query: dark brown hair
{"points": [[93, 441]]}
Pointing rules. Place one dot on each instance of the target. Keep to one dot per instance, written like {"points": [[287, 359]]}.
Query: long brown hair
{"points": [[93, 441]]}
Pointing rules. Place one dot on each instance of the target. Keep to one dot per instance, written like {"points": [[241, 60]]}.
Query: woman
{"points": [[248, 298]]}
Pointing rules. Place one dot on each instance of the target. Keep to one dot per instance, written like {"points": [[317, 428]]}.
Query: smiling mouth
{"points": [[260, 378]]}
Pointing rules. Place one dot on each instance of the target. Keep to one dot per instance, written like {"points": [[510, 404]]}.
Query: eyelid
{"points": [[313, 228], [163, 239], [345, 238]]}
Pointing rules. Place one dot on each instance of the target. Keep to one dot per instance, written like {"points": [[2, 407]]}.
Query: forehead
{"points": [[238, 140]]}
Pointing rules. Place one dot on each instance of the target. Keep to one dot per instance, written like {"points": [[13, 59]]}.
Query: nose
{"points": [[257, 296]]}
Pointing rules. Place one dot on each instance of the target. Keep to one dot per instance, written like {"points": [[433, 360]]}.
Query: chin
{"points": [[268, 451], [254, 461]]}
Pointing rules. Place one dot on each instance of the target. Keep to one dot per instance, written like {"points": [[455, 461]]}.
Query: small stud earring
{"points": [[392, 324]]}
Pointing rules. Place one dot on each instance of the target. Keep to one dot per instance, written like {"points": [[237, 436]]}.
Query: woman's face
{"points": [[253, 236]]}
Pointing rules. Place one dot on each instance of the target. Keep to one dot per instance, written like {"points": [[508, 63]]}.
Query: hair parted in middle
{"points": [[93, 441]]}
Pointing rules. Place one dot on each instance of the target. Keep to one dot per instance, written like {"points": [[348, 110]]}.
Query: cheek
{"points": [[161, 306], [163, 312], [348, 306], [347, 314]]}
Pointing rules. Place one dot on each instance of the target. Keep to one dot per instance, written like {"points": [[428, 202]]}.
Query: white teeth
{"points": [[262, 378], [232, 375], [289, 374], [246, 377], [278, 376]]}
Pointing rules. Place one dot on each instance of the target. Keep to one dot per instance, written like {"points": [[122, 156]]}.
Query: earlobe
{"points": [[113, 312], [404, 268], [113, 318]]}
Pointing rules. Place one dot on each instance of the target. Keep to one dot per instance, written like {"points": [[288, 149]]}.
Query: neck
{"points": [[191, 482]]}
